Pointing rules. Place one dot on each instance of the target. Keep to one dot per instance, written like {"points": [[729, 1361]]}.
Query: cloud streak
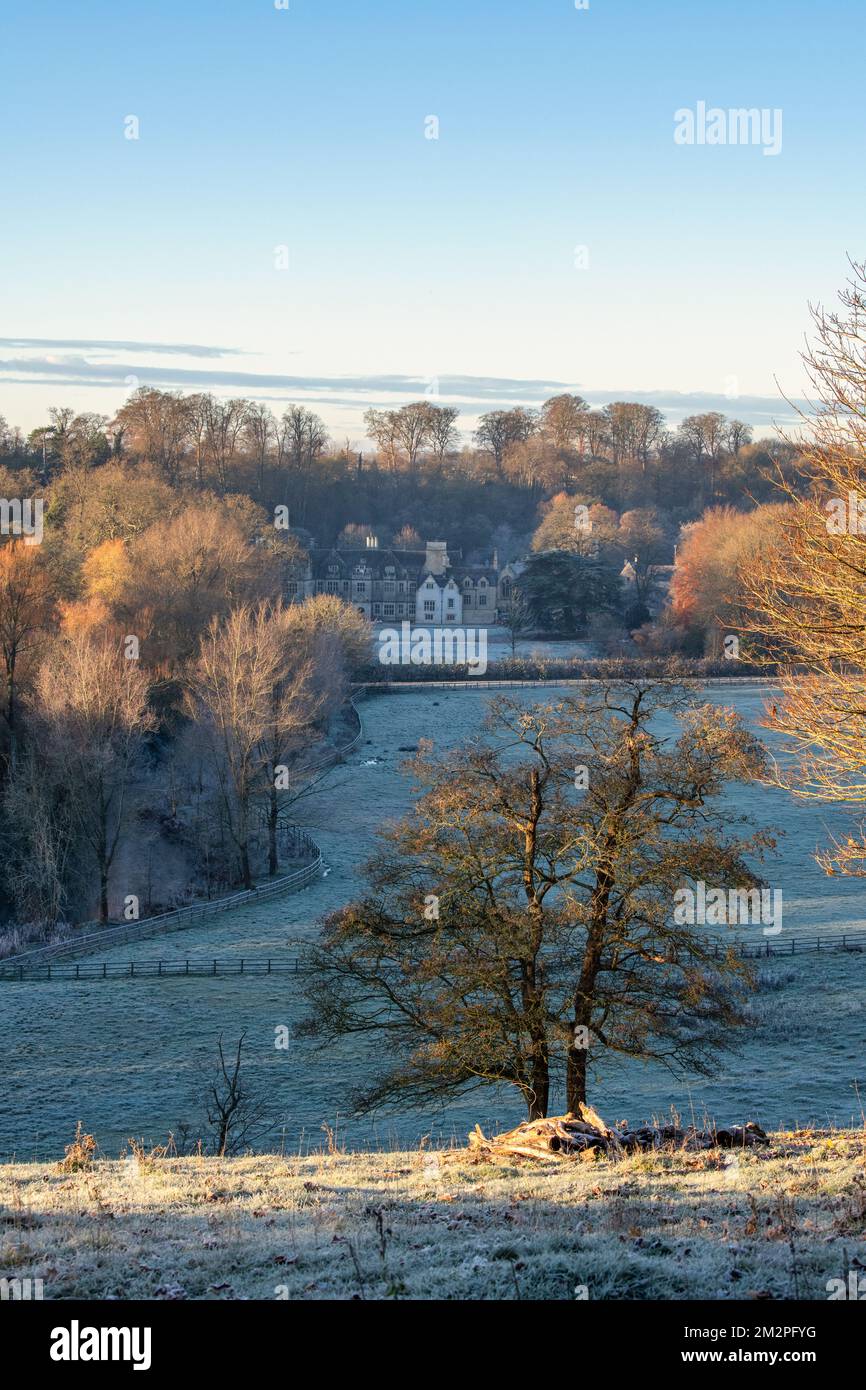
{"points": [[122, 345], [472, 394]]}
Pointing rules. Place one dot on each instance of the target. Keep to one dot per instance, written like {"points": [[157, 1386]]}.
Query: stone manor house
{"points": [[418, 586]]}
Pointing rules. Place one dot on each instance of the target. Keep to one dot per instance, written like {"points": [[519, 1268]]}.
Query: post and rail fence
{"points": [[22, 965], [26, 968]]}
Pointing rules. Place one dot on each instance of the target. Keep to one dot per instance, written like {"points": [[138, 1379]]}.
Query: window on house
{"points": [[389, 586], [360, 587], [429, 608], [332, 586], [292, 587], [482, 600], [388, 609]]}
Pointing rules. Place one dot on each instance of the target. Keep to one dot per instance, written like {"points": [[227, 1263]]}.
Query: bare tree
{"points": [[260, 432], [224, 421], [383, 428], [413, 429], [706, 436], [562, 419], [501, 428], [442, 431], [236, 1115], [94, 702], [253, 706], [155, 426], [806, 589]]}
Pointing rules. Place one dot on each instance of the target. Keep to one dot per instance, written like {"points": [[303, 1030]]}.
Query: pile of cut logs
{"points": [[568, 1136]]}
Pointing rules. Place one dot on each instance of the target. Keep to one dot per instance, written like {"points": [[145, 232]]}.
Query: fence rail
{"points": [[181, 917], [853, 941], [25, 968], [551, 682], [145, 969], [166, 922]]}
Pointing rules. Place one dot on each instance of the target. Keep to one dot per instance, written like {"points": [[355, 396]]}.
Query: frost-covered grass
{"points": [[776, 1222], [133, 1057]]}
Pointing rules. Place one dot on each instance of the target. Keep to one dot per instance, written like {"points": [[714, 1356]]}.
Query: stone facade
{"points": [[418, 586]]}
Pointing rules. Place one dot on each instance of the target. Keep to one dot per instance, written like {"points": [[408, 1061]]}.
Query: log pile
{"points": [[569, 1136]]}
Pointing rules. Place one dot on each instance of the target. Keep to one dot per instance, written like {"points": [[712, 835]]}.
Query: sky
{"points": [[284, 226]]}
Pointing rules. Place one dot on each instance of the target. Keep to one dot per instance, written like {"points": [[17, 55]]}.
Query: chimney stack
{"points": [[436, 561]]}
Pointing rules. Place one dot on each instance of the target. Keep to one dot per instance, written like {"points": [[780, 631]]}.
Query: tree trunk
{"points": [[245, 865], [273, 813], [575, 1084], [537, 1100]]}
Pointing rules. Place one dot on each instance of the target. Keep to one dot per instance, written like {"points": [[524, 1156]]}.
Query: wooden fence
{"points": [[20, 966], [25, 968], [166, 922]]}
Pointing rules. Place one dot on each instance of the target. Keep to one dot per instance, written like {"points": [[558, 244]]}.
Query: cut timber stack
{"points": [[568, 1136]]}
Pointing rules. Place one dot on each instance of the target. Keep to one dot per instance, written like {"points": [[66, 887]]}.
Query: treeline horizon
{"points": [[418, 479]]}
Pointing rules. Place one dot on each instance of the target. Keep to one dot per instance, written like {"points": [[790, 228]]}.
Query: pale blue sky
{"points": [[447, 259]]}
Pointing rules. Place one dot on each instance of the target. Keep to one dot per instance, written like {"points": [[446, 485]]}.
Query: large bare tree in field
{"points": [[520, 924], [808, 590], [93, 701]]}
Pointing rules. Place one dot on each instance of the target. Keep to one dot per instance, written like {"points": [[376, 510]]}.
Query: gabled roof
{"points": [[406, 564]]}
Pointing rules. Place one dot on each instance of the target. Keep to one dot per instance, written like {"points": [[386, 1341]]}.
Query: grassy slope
{"points": [[779, 1221]]}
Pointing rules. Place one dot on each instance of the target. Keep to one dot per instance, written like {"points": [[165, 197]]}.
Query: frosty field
{"points": [[778, 1223], [131, 1058]]}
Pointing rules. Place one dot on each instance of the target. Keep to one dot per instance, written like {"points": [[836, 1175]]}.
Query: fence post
{"points": [[159, 967], [104, 969], [214, 967]]}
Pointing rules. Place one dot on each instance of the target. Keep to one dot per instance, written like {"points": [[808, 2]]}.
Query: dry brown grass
{"points": [[778, 1222]]}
